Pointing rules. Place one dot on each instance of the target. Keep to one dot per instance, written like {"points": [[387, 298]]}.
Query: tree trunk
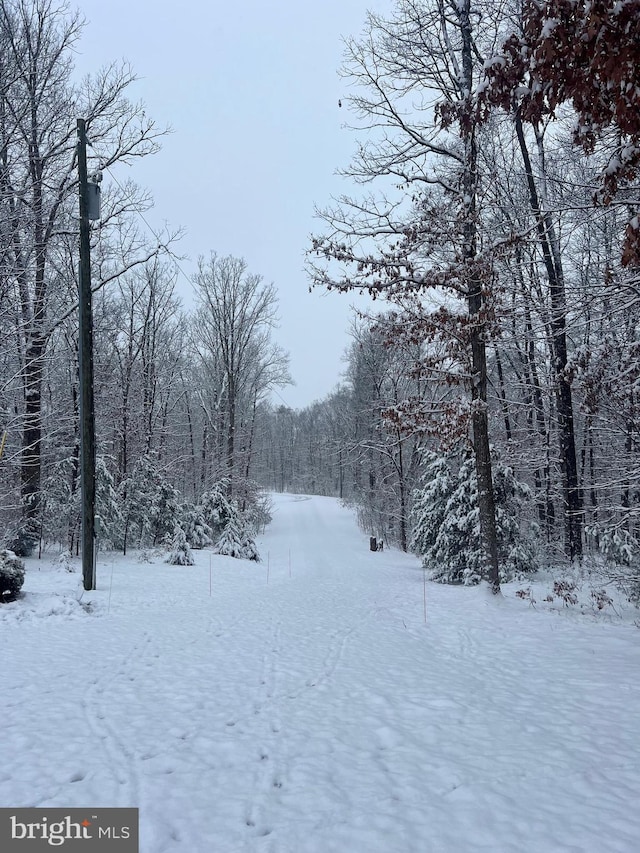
{"points": [[503, 397], [31, 464], [479, 412], [564, 405]]}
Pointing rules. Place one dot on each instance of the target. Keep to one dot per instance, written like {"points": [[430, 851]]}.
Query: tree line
{"points": [[176, 394], [488, 414], [498, 152]]}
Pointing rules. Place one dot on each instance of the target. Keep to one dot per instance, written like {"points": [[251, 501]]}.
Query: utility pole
{"points": [[85, 358]]}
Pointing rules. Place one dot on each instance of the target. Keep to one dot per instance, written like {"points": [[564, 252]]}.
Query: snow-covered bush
{"points": [[11, 575], [165, 512], [180, 554], [194, 524], [64, 562], [231, 529], [446, 523]]}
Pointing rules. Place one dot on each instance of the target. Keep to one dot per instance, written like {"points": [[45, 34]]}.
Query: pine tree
{"points": [[149, 504], [194, 524], [108, 506], [180, 554], [447, 526], [11, 575], [218, 509], [235, 541]]}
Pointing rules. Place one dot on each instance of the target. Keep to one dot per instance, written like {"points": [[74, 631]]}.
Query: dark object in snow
{"points": [[381, 545], [11, 576], [373, 543]]}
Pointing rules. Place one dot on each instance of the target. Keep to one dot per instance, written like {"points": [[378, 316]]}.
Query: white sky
{"points": [[251, 91]]}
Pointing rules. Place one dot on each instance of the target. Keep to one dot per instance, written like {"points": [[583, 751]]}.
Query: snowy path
{"points": [[316, 713]]}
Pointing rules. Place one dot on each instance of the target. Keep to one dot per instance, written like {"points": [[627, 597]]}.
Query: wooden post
{"points": [[85, 357]]}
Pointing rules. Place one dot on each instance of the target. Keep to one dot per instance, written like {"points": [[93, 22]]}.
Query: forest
{"points": [[488, 417]]}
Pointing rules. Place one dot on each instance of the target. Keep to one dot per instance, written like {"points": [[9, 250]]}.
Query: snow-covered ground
{"points": [[302, 705]]}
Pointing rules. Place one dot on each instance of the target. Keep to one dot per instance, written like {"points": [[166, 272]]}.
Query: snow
{"points": [[305, 706], [548, 27]]}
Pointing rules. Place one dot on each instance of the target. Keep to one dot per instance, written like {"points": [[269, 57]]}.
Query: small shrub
{"points": [[564, 590], [11, 575], [64, 562], [601, 599], [526, 595]]}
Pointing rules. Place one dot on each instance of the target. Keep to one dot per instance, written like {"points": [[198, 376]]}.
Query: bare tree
{"points": [[38, 110], [236, 316], [416, 75]]}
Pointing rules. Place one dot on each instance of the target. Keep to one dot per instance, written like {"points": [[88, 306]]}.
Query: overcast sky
{"points": [[251, 91]]}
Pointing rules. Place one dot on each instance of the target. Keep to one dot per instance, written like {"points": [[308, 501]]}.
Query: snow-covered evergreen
{"points": [[11, 575], [61, 503], [235, 541], [217, 508], [180, 554], [108, 507], [446, 529], [257, 514], [149, 504], [194, 524]]}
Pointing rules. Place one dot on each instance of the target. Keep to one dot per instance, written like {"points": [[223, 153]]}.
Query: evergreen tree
{"points": [[108, 506], [164, 512], [194, 524], [11, 575], [447, 527], [218, 509], [60, 504], [150, 504], [235, 541], [180, 554]]}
